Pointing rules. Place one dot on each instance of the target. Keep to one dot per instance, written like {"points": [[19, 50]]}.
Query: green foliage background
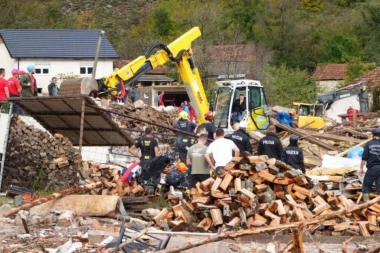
{"points": [[298, 34]]}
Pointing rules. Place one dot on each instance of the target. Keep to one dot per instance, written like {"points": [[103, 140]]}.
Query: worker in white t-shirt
{"points": [[221, 151]]}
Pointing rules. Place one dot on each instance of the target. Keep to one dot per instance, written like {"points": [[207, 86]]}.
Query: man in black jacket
{"points": [[293, 155], [184, 141], [270, 144], [238, 108], [241, 138]]}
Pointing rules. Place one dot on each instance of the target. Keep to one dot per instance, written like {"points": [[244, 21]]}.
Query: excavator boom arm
{"points": [[179, 51]]}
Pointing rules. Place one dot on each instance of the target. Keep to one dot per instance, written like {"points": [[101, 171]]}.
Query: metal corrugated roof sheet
{"points": [[62, 114], [49, 43]]}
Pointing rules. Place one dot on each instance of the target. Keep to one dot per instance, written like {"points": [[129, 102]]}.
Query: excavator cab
{"points": [[255, 112], [310, 115]]}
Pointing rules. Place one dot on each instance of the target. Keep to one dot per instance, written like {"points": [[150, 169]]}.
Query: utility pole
{"points": [[101, 33]]}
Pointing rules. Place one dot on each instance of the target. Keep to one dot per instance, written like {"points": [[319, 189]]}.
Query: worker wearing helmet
{"points": [[200, 170], [210, 128], [177, 177], [241, 138], [14, 84], [29, 83], [371, 158], [184, 141], [293, 155]]}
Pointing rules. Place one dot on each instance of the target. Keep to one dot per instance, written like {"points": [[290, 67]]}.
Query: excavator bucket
{"points": [[77, 86]]}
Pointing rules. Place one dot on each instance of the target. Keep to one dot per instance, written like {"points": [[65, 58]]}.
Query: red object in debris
{"points": [[126, 174]]}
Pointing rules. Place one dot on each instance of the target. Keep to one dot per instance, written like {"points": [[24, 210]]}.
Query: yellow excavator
{"points": [[179, 51]]}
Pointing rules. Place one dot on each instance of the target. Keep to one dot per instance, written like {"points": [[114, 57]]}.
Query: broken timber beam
{"points": [[304, 136], [332, 137]]}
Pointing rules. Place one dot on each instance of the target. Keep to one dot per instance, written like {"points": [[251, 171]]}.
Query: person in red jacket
{"points": [[4, 91], [14, 84], [192, 113], [350, 113]]}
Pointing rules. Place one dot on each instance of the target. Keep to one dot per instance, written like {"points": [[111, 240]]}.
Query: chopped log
{"points": [[320, 208], [302, 190], [201, 199], [216, 184], [164, 212], [199, 188], [300, 180], [235, 221], [300, 196], [266, 175], [205, 224], [363, 229], [261, 187], [226, 181], [237, 185], [206, 184], [280, 208], [137, 189], [216, 216], [247, 193]]}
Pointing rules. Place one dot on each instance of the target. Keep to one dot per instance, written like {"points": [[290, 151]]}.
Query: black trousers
{"points": [[193, 179], [372, 175]]}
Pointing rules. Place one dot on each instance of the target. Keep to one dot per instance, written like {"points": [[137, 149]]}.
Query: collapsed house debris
{"points": [[254, 195]]}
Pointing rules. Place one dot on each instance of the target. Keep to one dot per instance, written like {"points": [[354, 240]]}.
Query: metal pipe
{"points": [[101, 33], [81, 127]]}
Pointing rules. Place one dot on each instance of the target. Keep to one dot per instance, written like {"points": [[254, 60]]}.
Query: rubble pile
{"points": [[259, 192], [165, 116], [111, 179], [38, 160]]}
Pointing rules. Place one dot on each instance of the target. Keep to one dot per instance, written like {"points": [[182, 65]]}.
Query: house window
{"points": [[42, 69], [86, 70]]}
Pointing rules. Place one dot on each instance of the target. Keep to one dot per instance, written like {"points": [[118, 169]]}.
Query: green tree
{"points": [[162, 22], [312, 5], [284, 85], [355, 69]]}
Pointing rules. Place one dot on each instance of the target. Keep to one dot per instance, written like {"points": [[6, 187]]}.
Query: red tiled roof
{"points": [[330, 72], [371, 78], [229, 53], [161, 70]]}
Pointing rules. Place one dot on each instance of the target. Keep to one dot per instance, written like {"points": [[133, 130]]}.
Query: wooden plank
{"points": [[304, 136], [332, 137]]}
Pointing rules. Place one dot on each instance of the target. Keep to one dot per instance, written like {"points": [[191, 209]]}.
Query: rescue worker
{"points": [[293, 155], [270, 144], [151, 171], [241, 138], [221, 151], [177, 177], [184, 141], [196, 159], [148, 146], [371, 158], [211, 129]]}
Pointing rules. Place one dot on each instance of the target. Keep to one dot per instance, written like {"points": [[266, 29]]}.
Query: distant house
{"points": [[330, 76], [53, 52]]}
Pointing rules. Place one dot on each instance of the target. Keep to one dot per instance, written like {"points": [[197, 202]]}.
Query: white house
{"points": [[55, 52]]}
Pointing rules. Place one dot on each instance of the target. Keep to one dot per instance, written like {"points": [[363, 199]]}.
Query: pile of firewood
{"points": [[35, 159], [262, 192], [110, 177]]}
